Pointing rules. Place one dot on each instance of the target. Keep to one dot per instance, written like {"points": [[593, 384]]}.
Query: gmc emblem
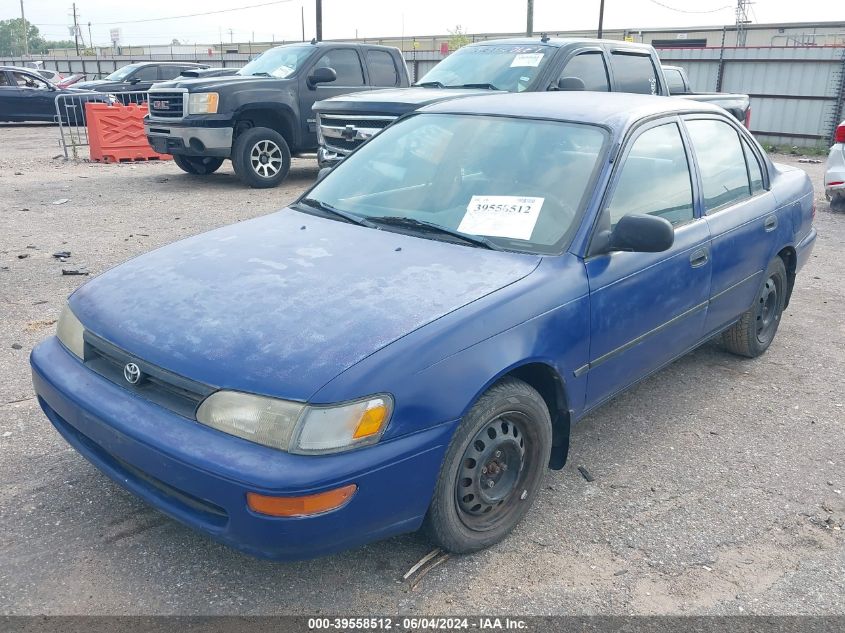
{"points": [[161, 105]]}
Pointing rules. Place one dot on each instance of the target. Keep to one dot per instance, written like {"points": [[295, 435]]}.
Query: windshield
{"points": [[122, 73], [504, 67], [520, 182], [280, 62]]}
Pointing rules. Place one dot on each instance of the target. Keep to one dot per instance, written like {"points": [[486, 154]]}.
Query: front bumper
{"points": [[328, 158], [167, 137], [200, 476]]}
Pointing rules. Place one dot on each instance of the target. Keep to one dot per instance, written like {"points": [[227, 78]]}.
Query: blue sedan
{"points": [[409, 344]]}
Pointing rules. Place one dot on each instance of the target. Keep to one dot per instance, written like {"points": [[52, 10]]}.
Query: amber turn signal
{"points": [[300, 506]]}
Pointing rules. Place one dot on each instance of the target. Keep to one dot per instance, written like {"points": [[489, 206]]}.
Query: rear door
{"points": [[740, 212], [647, 308], [635, 72], [381, 69], [347, 63]]}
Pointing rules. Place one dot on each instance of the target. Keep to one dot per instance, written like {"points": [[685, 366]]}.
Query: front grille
{"points": [[167, 105], [171, 391], [345, 133]]}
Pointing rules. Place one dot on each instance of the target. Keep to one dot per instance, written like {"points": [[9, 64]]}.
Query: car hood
{"points": [[199, 84], [282, 304], [95, 84], [396, 101]]}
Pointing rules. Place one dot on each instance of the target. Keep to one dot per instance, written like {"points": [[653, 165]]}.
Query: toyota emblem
{"points": [[132, 373]]}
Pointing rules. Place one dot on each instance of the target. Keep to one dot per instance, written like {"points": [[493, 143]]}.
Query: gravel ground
{"points": [[718, 482]]}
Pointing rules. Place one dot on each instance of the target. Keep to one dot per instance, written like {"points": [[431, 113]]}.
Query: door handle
{"points": [[770, 223], [699, 258]]}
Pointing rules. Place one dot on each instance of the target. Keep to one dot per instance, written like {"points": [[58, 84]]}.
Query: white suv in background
{"points": [[834, 176]]}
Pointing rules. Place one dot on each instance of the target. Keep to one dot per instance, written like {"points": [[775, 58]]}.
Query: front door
{"points": [[36, 97], [347, 63], [647, 308]]}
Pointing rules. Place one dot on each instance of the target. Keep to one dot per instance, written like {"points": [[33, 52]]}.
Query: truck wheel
{"points": [[755, 331], [261, 157], [493, 468], [197, 165]]}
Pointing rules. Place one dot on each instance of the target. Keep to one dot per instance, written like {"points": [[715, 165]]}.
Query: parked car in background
{"points": [[261, 116], [26, 96], [410, 342], [71, 80], [50, 75], [834, 176], [138, 77], [678, 83]]}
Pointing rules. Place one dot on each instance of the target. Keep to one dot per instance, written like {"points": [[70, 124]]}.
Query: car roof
{"points": [[31, 71], [155, 63], [613, 109], [558, 42], [324, 44]]}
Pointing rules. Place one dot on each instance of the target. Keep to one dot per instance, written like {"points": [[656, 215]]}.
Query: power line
{"points": [[666, 6]]}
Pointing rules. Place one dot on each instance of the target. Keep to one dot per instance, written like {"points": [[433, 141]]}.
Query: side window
{"points": [[4, 79], [721, 161], [29, 81], [382, 69], [146, 73], [346, 64], [754, 169], [634, 73], [589, 68], [655, 178], [674, 81], [169, 72]]}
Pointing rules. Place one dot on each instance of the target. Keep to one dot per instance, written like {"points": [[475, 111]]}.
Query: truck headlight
{"points": [[70, 332], [203, 103], [296, 427]]}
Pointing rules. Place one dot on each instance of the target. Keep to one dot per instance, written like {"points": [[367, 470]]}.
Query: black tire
{"points": [[509, 426], [755, 331], [197, 165], [261, 157]]}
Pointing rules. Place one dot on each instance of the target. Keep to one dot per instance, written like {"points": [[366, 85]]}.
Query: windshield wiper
{"points": [[482, 85], [262, 74], [431, 227], [430, 84], [327, 208]]}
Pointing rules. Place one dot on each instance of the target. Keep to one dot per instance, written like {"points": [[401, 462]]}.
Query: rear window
{"points": [[634, 73], [382, 69]]}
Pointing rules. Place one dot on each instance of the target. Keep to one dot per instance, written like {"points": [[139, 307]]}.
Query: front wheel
{"points": [[493, 468], [261, 157], [756, 329], [197, 165]]}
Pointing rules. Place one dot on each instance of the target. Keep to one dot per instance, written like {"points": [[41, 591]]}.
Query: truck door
{"points": [[347, 63]]}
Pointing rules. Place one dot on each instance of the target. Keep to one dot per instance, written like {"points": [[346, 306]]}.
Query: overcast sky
{"points": [[374, 18]]}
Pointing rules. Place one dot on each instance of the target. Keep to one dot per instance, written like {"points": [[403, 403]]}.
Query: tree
{"points": [[458, 39], [11, 37]]}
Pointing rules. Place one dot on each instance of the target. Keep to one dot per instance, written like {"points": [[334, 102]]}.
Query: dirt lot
{"points": [[718, 482]]}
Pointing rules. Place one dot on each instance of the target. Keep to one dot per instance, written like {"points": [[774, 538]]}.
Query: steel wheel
{"points": [[768, 310], [266, 158]]}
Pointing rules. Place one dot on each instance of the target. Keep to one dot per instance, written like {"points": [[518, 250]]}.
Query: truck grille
{"points": [[343, 134], [167, 105], [166, 389]]}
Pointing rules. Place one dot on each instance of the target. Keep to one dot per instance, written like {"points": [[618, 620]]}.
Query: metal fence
{"points": [[796, 93], [70, 115]]}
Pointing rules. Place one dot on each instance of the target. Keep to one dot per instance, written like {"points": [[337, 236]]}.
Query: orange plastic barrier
{"points": [[116, 133]]}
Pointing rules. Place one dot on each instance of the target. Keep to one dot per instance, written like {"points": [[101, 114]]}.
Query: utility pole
{"points": [[601, 19], [75, 30], [25, 32], [742, 20], [319, 20], [90, 37], [529, 25], [231, 36], [302, 16]]}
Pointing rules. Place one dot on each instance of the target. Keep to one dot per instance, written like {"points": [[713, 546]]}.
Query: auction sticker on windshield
{"points": [[527, 59], [502, 216]]}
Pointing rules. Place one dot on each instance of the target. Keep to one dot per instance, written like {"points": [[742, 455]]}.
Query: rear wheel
{"points": [[261, 157], [197, 165], [755, 331], [493, 468]]}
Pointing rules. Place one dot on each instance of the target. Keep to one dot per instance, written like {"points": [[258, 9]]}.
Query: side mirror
{"points": [[323, 173], [133, 81], [642, 234], [322, 75], [570, 83]]}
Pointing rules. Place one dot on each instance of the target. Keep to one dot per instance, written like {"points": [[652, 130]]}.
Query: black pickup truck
{"points": [[261, 116], [513, 65], [678, 84]]}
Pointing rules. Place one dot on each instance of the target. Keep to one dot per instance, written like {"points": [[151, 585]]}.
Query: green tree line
{"points": [[12, 42]]}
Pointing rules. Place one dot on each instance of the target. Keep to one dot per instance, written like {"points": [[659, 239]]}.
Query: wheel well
{"points": [[790, 261], [265, 118], [549, 385]]}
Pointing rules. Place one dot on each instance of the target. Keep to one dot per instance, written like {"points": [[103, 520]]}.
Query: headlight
{"points": [[203, 103], [69, 331], [296, 427]]}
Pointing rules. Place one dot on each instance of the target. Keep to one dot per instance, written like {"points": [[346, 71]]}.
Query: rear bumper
{"points": [[171, 138], [200, 476], [834, 176]]}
